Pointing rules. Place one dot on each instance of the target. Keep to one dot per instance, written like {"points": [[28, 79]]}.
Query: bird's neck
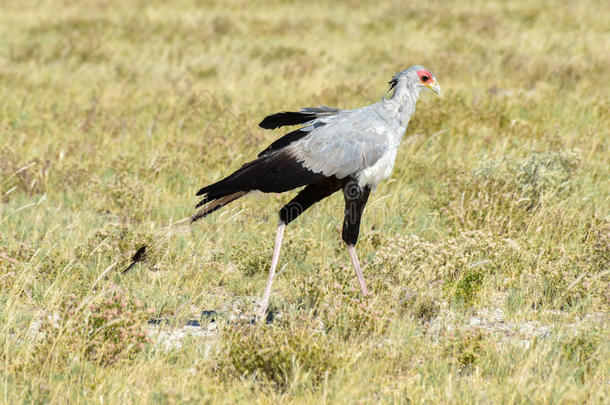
{"points": [[404, 100]]}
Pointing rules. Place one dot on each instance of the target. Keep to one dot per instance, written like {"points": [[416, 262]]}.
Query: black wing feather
{"points": [[284, 141], [272, 173], [286, 118]]}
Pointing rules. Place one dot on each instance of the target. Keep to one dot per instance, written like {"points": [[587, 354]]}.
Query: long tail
{"points": [[211, 206], [275, 172], [221, 193]]}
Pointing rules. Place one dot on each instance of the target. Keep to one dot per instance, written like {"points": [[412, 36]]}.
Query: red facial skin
{"points": [[424, 72]]}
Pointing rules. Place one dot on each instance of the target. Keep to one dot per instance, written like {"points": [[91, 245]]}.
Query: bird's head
{"points": [[417, 77]]}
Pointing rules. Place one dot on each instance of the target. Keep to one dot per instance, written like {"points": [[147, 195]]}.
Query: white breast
{"points": [[381, 170]]}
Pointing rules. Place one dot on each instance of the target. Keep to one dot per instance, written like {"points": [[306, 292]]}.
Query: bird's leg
{"points": [[274, 261], [295, 207], [355, 200], [351, 250]]}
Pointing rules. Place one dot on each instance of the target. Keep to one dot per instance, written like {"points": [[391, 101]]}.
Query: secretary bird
{"points": [[352, 150]]}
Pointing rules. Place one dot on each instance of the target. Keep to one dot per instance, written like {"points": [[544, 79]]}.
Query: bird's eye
{"points": [[424, 78]]}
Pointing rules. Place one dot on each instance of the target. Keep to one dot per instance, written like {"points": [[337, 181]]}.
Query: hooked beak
{"points": [[435, 87]]}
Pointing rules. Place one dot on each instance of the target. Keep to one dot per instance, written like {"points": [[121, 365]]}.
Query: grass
{"points": [[487, 251]]}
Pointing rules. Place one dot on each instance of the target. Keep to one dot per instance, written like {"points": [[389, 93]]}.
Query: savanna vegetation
{"points": [[487, 251]]}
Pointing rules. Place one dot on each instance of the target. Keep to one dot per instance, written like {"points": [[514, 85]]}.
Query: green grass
{"points": [[487, 251]]}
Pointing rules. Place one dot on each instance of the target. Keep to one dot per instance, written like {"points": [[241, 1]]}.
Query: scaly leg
{"points": [[274, 261], [352, 255]]}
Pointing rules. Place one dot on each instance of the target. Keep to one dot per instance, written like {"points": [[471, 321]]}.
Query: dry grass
{"points": [[488, 250]]}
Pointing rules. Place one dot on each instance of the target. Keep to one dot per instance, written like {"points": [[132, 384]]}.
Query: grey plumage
{"points": [[361, 143]]}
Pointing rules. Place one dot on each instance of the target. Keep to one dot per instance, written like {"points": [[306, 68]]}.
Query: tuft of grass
{"points": [[106, 329], [466, 349], [505, 194], [467, 287], [281, 354]]}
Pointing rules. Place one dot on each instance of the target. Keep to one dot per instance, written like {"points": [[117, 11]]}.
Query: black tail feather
{"points": [[275, 172], [215, 205]]}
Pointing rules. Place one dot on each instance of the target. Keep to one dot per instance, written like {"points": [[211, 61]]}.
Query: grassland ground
{"points": [[487, 251]]}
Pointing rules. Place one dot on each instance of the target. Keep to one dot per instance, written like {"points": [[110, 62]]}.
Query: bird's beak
{"points": [[435, 87]]}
